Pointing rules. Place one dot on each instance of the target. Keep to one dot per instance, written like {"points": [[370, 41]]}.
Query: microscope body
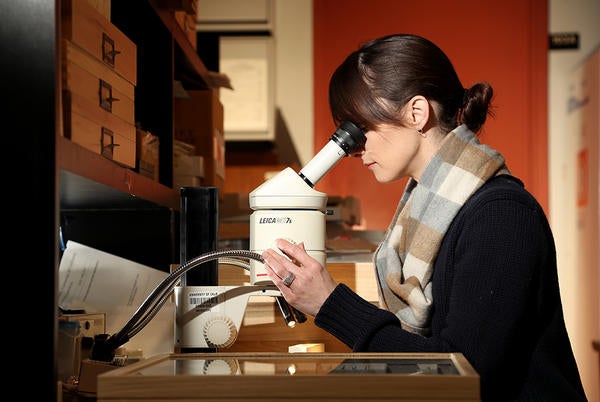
{"points": [[285, 206]]}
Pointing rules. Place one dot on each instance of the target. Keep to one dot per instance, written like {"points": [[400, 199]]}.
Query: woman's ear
{"points": [[418, 111]]}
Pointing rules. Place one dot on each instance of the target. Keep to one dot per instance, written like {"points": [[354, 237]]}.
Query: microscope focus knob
{"points": [[220, 332]]}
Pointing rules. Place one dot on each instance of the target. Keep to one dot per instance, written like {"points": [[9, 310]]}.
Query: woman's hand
{"points": [[311, 285]]}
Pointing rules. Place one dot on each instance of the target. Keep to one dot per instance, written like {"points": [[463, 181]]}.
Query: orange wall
{"points": [[504, 43]]}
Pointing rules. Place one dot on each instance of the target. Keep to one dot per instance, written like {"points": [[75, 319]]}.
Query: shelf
{"points": [[195, 71], [89, 180], [109, 206]]}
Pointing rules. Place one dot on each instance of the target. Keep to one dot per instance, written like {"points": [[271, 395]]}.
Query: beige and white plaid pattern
{"points": [[404, 260]]}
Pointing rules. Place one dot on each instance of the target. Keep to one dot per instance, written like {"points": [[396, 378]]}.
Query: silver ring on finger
{"points": [[287, 281]]}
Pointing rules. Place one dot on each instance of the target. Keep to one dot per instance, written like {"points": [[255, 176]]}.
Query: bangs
{"points": [[352, 99]]}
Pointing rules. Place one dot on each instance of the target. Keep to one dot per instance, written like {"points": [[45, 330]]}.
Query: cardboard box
{"points": [[148, 148], [188, 170], [199, 121], [188, 165]]}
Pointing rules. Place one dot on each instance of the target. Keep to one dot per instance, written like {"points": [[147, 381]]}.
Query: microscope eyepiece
{"points": [[347, 139]]}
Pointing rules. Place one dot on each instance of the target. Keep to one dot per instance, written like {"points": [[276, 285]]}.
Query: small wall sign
{"points": [[564, 40]]}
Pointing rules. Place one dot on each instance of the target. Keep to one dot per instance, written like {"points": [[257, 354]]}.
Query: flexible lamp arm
{"points": [[105, 345]]}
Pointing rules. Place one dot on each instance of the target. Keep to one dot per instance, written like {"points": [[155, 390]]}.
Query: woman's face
{"points": [[392, 153]]}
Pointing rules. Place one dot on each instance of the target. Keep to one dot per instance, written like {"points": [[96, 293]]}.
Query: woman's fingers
{"points": [[308, 283], [279, 264], [295, 252], [275, 276]]}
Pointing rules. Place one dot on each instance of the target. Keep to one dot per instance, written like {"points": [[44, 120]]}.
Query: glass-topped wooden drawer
{"points": [[295, 376]]}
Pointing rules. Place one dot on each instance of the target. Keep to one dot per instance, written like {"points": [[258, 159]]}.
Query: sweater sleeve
{"points": [[351, 318], [365, 327]]}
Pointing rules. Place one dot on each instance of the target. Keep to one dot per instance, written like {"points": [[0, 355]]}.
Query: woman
{"points": [[468, 262]]}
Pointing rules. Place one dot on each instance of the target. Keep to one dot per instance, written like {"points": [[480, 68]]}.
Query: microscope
{"points": [[285, 206]]}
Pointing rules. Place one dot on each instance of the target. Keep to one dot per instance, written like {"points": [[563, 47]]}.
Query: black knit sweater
{"points": [[496, 300]]}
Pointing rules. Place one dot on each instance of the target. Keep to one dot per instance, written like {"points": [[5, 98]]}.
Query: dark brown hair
{"points": [[374, 82]]}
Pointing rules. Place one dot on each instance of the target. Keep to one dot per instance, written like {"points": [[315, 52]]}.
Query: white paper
{"points": [[99, 282], [246, 105]]}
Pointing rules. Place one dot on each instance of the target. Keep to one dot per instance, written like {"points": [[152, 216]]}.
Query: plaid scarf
{"points": [[404, 260]]}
